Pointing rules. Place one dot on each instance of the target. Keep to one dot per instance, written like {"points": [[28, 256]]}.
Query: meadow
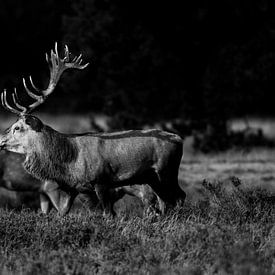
{"points": [[226, 226]]}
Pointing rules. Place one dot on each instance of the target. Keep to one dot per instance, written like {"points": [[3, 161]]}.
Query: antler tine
{"points": [[3, 101], [29, 92], [35, 104], [78, 58], [56, 51], [67, 54], [16, 102], [76, 63], [47, 59], [57, 66], [6, 105], [54, 60], [33, 84]]}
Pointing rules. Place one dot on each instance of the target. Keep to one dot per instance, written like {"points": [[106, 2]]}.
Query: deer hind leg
{"points": [[165, 184], [89, 200], [45, 203], [171, 189], [104, 196], [149, 199], [176, 193], [155, 183], [162, 202]]}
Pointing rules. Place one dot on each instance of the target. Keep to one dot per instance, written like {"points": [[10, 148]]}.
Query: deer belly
{"points": [[130, 175]]}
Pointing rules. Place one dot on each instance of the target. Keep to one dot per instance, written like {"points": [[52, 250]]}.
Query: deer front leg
{"points": [[45, 203], [61, 200]]}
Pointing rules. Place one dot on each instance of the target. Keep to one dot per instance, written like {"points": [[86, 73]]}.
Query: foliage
{"points": [[155, 60], [215, 139], [131, 70], [204, 61]]}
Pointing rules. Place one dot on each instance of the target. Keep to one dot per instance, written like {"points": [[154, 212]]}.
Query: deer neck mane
{"points": [[51, 156]]}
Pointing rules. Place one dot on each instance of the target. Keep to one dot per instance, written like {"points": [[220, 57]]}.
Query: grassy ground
{"points": [[223, 230], [255, 168], [192, 239]]}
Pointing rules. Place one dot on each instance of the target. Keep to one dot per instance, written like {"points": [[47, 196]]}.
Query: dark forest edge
{"points": [[200, 61]]}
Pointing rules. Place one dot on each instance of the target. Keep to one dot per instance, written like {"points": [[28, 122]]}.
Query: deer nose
{"points": [[2, 143]]}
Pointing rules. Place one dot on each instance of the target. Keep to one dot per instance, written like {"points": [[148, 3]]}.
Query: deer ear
{"points": [[35, 123]]}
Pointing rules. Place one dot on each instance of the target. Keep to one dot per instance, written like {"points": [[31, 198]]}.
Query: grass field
{"points": [[190, 240], [220, 229], [208, 234]]}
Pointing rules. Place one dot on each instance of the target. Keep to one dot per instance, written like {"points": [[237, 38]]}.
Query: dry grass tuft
{"points": [[192, 239]]}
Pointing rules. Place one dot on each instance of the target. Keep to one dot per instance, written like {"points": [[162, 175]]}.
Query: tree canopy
{"points": [[148, 59]]}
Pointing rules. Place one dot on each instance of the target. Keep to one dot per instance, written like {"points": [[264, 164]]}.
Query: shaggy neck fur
{"points": [[51, 156]]}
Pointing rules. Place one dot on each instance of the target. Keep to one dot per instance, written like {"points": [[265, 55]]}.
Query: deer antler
{"points": [[57, 66]]}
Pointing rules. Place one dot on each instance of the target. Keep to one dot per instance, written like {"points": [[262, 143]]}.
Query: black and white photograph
{"points": [[137, 137]]}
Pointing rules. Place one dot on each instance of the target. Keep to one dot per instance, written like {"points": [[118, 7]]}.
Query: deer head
{"points": [[21, 135]]}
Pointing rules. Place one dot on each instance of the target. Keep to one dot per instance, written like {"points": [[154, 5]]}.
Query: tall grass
{"points": [[205, 238]]}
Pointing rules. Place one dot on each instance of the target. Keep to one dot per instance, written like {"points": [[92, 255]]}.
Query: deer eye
{"points": [[16, 128]]}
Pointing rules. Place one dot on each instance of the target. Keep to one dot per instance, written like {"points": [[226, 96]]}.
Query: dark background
{"points": [[204, 61]]}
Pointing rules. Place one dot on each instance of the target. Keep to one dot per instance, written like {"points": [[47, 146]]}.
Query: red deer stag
{"points": [[88, 161]]}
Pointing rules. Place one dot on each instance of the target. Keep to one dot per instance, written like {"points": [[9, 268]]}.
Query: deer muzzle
{"points": [[3, 142]]}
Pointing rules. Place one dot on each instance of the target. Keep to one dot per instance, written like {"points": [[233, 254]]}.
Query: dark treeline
{"points": [[200, 60]]}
